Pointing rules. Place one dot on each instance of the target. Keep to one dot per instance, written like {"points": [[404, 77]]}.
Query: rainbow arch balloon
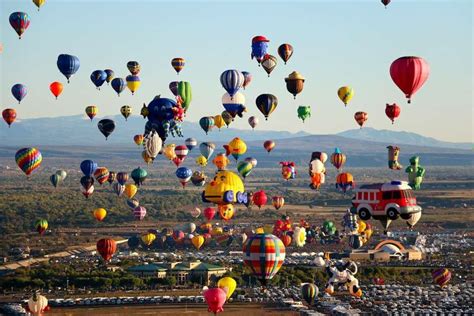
{"points": [[28, 159]]}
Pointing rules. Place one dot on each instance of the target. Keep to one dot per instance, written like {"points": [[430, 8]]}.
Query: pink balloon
{"points": [[215, 299]]}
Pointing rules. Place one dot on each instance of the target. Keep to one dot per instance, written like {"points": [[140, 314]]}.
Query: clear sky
{"points": [[335, 43]]}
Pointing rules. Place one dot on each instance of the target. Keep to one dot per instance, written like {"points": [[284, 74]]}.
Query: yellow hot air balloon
{"points": [[236, 148], [217, 231], [133, 83], [229, 283], [259, 230], [345, 94], [100, 214], [168, 151], [219, 121], [130, 190], [146, 158], [198, 241], [201, 160], [39, 3], [147, 239]]}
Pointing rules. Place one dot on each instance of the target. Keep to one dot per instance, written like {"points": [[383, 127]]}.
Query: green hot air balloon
{"points": [[139, 175], [304, 111], [206, 122], [309, 292], [244, 168], [227, 117], [186, 94], [55, 178]]}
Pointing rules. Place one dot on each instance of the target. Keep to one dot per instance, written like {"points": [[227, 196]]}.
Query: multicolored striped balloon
{"points": [[264, 254], [441, 276], [101, 174], [28, 159]]}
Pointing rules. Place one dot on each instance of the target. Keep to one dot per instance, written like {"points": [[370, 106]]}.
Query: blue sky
{"points": [[336, 43]]}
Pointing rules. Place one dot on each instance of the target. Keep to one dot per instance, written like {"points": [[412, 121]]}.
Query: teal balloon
{"points": [[55, 178], [244, 168], [207, 149], [206, 123]]}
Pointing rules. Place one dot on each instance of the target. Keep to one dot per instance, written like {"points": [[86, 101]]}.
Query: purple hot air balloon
{"points": [[139, 212], [174, 87], [19, 92]]}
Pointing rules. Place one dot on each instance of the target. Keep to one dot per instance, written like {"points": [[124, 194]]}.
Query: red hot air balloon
{"points": [[56, 88], [215, 299], [392, 111], [269, 145], [409, 74], [209, 213], [385, 3], [9, 115], [106, 247], [259, 198], [360, 118], [181, 152]]}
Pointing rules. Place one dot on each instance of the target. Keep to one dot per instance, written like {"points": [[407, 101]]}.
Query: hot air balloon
{"points": [[269, 63], [118, 84], [232, 80], [190, 143], [215, 299], [92, 111], [106, 127], [100, 214], [106, 247], [304, 112], [244, 168], [19, 92], [139, 212], [62, 174], [168, 151], [269, 145], [441, 276], [197, 241], [38, 304], [133, 83], [184, 175], [316, 180], [68, 65], [209, 213], [133, 242], [19, 22], [385, 3], [132, 203], [393, 155], [309, 292], [345, 94], [87, 182], [206, 123], [219, 121], [392, 111], [247, 78], [110, 75], [227, 117], [41, 226], [147, 239], [28, 159], [185, 94], [139, 175], [201, 160], [54, 178], [221, 161], [181, 152], [226, 211], [338, 159], [39, 3], [56, 88], [259, 198], [236, 147], [285, 51], [133, 67], [252, 160], [259, 48], [229, 283], [195, 212], [118, 189], [122, 178], [126, 111], [138, 139], [253, 121], [278, 202], [345, 182], [266, 103], [264, 254], [152, 144], [112, 177], [87, 192], [98, 78], [9, 116], [130, 190], [234, 105], [178, 64], [360, 118], [409, 74], [101, 174], [294, 83]]}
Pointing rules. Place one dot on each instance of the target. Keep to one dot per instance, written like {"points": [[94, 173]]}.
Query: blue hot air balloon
{"points": [[98, 78], [259, 48], [19, 22], [68, 65], [88, 167], [232, 80], [118, 84], [19, 92]]}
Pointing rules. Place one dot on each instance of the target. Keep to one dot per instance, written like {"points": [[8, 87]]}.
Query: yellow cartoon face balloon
{"points": [[224, 188], [221, 161], [226, 211]]}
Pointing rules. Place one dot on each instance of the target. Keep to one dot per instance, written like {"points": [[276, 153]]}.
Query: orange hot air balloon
{"points": [[286, 239], [138, 139], [100, 214], [101, 174], [361, 118], [269, 145], [106, 247], [9, 116], [56, 88], [278, 202], [198, 241], [226, 211]]}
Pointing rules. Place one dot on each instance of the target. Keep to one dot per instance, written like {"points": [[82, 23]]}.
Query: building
{"points": [[386, 251], [197, 271]]}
